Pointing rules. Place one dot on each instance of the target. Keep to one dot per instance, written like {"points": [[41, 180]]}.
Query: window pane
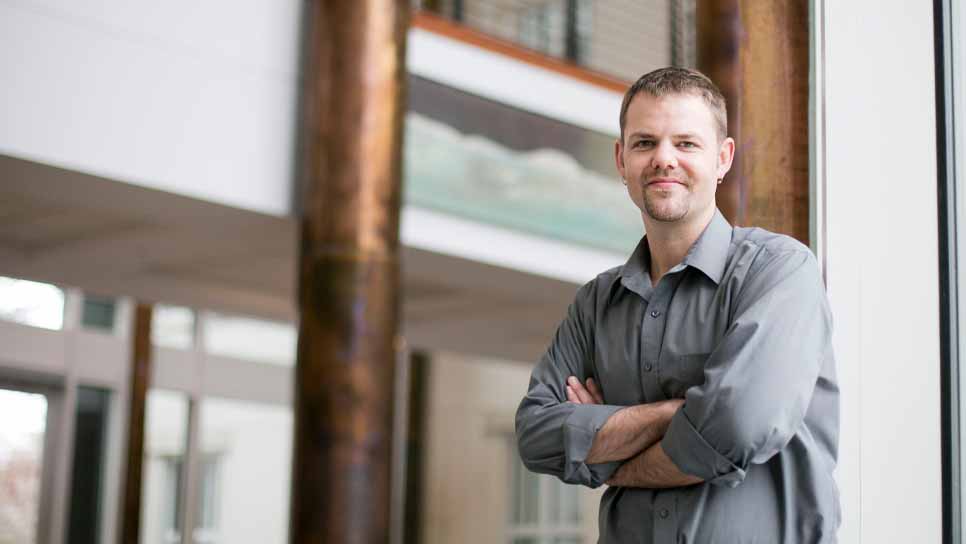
{"points": [[251, 339], [90, 432], [244, 483], [553, 498], [23, 421], [31, 303], [98, 313], [564, 508], [173, 327], [165, 437], [526, 494]]}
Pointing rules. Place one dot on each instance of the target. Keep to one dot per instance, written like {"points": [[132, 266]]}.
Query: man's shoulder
{"points": [[769, 257], [601, 283], [746, 240]]}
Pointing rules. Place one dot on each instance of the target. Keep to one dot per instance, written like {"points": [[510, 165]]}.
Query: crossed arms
{"points": [[758, 384], [633, 435]]}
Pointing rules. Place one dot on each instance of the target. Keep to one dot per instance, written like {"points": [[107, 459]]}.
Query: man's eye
{"points": [[686, 144], [643, 143]]}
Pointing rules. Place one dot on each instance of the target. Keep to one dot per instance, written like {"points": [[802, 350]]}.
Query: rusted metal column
{"points": [[757, 53], [140, 382], [354, 100]]}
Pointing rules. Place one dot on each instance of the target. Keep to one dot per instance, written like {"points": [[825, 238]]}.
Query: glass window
{"points": [[173, 327], [165, 439], [98, 313], [23, 421], [251, 339], [31, 303], [543, 510], [206, 520], [90, 435], [243, 490]]}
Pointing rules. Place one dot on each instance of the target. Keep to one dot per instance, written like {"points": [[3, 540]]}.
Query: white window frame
{"points": [[544, 530]]}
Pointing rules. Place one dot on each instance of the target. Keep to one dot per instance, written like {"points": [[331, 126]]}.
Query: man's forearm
{"points": [[632, 430], [652, 469]]}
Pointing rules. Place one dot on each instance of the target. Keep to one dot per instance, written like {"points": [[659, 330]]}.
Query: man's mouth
{"points": [[664, 182]]}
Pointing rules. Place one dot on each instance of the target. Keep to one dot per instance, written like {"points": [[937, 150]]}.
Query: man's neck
{"points": [[670, 242]]}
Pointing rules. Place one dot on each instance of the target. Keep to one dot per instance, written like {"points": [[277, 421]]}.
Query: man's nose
{"points": [[664, 157]]}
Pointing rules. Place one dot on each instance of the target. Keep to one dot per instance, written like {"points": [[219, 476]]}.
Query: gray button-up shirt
{"points": [[741, 330]]}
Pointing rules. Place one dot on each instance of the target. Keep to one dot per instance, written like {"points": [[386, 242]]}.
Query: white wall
{"points": [[196, 98], [882, 265]]}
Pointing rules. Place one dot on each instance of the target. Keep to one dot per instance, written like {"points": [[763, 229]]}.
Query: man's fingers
{"points": [[582, 395], [571, 396], [595, 391]]}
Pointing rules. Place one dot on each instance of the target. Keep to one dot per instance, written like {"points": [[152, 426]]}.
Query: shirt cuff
{"points": [[693, 455], [579, 431]]}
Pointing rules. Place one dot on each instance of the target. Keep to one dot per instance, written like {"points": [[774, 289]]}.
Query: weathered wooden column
{"points": [[140, 382], [354, 100], [757, 53]]}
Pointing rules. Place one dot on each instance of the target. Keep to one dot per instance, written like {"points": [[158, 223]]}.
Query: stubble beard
{"points": [[666, 208]]}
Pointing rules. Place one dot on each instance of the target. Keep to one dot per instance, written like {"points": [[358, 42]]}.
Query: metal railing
{"points": [[620, 38]]}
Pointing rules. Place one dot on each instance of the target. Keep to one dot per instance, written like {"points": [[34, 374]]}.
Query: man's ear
{"points": [[619, 157], [726, 156]]}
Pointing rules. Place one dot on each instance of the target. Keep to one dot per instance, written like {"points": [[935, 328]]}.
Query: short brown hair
{"points": [[672, 81]]}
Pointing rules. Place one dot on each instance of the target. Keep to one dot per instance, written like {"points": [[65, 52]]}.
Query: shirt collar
{"points": [[709, 254]]}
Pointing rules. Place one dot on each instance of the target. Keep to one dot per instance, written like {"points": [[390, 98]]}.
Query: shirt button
{"points": [[647, 367], [655, 313], [664, 513]]}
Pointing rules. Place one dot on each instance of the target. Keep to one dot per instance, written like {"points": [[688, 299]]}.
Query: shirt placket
{"points": [[652, 336], [665, 519]]}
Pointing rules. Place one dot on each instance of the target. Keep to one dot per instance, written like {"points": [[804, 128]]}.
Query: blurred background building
{"points": [[148, 152]]}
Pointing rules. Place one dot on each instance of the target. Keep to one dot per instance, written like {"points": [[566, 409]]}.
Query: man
{"points": [[696, 380]]}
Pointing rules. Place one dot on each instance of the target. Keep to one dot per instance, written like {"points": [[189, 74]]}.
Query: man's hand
{"points": [[578, 393], [630, 430]]}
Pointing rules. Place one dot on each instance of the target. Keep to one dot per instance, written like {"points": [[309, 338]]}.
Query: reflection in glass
{"points": [[90, 435], [23, 421], [244, 485], [31, 303], [165, 438], [173, 327], [251, 339]]}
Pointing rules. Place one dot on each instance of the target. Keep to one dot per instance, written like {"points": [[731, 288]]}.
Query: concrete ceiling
{"points": [[114, 238]]}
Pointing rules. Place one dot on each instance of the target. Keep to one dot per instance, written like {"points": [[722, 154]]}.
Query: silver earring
{"points": [[720, 180], [624, 181]]}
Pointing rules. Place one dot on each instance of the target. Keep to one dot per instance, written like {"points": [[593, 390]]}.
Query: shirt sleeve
{"points": [[553, 435], [760, 378]]}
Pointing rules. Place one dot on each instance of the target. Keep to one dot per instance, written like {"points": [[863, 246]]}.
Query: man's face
{"points": [[671, 158]]}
